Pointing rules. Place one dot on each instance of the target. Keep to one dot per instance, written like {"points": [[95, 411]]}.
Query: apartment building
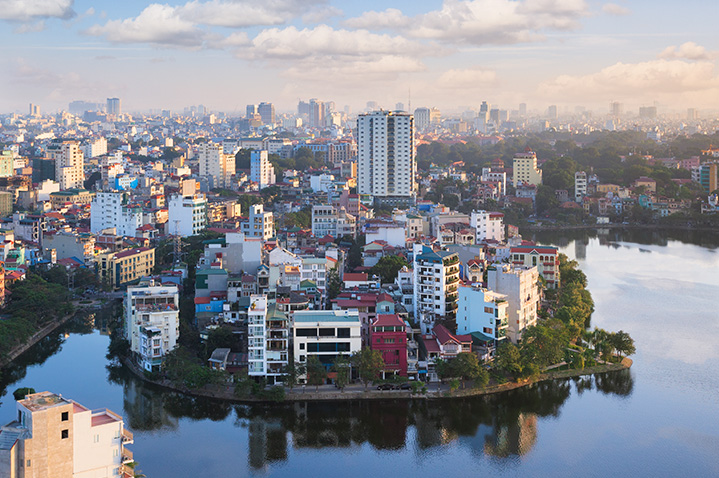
{"points": [[113, 209], [544, 258], [187, 214], [268, 339], [69, 161], [389, 337], [488, 226], [436, 277], [483, 313], [580, 186], [120, 268], [261, 224], [386, 164], [54, 437], [261, 170], [216, 165], [152, 322], [329, 220], [525, 170], [521, 287], [325, 334]]}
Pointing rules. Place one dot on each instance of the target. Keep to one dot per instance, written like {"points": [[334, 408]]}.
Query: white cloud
{"points": [[321, 14], [30, 10], [670, 81], [159, 24], [616, 10], [688, 50], [358, 72], [325, 41], [481, 21], [467, 79], [244, 13]]}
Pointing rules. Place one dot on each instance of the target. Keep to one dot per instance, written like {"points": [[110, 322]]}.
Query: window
{"points": [[65, 416], [327, 332], [28, 463], [343, 332], [64, 434], [302, 346]]}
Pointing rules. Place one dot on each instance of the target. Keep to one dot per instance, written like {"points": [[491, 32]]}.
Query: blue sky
{"points": [[452, 54]]}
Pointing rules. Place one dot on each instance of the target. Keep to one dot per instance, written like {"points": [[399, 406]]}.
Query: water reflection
{"points": [[658, 237]]}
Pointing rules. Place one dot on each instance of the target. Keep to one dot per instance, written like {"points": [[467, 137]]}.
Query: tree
{"points": [[388, 267], [482, 378], [316, 372], [509, 359], [369, 364], [219, 338], [622, 343], [22, 392], [466, 366], [341, 367], [291, 373], [334, 283]]}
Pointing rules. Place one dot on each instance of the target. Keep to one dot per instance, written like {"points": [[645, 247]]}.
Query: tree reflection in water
{"points": [[502, 426]]}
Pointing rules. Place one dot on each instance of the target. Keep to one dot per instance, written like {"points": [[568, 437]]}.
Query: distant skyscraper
{"points": [[522, 109], [372, 105], [261, 170], [616, 109], [552, 112], [267, 112], [386, 157], [34, 110], [68, 163], [648, 112], [399, 107], [216, 165], [114, 106], [316, 113], [692, 114], [251, 111], [484, 107], [421, 118]]}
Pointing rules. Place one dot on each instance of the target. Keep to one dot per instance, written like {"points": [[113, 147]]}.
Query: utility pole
{"points": [[177, 245]]}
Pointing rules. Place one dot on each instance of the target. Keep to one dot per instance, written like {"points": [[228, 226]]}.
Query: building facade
{"points": [[69, 160], [268, 340], [216, 165], [116, 269], [261, 170], [520, 285], [187, 214], [112, 209], [260, 225], [386, 165], [325, 334], [488, 226], [389, 336], [436, 278], [525, 170]]}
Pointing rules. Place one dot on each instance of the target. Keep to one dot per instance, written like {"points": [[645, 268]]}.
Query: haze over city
{"points": [[452, 54]]}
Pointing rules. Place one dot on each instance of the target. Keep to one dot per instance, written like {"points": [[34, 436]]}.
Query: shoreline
{"points": [[34, 339], [580, 227], [226, 393]]}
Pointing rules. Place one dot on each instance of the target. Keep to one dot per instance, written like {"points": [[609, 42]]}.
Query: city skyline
{"points": [[452, 54]]}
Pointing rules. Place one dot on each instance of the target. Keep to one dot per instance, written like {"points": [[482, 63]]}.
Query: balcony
{"points": [[127, 436], [127, 456]]}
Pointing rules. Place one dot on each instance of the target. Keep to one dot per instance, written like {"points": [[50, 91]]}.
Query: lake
{"points": [[658, 419]]}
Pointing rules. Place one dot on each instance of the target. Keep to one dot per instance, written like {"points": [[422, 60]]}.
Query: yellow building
{"points": [[120, 268], [525, 169], [72, 196]]}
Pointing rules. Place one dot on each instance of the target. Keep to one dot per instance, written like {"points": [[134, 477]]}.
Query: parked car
{"points": [[405, 386], [385, 386]]}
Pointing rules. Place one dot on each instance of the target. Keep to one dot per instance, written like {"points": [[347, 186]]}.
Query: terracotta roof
{"points": [[388, 320], [354, 276]]}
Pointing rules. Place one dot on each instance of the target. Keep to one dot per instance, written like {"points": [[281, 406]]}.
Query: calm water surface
{"points": [[659, 419]]}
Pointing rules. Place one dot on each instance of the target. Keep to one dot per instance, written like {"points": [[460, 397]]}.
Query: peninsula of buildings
{"points": [[318, 233]]}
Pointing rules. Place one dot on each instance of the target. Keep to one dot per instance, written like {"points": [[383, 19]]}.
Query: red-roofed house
{"points": [[388, 336], [546, 258]]}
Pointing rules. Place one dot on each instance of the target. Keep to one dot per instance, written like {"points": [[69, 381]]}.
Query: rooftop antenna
{"points": [[409, 99]]}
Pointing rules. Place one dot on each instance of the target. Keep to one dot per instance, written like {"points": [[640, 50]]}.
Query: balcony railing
{"points": [[127, 436], [127, 456]]}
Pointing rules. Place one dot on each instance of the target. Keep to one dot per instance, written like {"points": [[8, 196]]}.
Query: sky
{"points": [[452, 54]]}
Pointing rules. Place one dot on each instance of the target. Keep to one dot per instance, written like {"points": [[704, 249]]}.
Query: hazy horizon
{"points": [[226, 54]]}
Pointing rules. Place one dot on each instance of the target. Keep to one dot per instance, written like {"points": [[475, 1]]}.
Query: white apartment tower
{"points": [[268, 336], [111, 209], [261, 170], [580, 185], [520, 286], [386, 157], [152, 322], [68, 164], [261, 224], [216, 165], [187, 212], [436, 278], [525, 169], [489, 225]]}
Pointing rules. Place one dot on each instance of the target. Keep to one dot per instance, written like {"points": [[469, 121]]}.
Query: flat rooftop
{"points": [[326, 316], [43, 400]]}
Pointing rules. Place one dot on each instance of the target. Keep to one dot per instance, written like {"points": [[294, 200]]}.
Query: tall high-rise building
{"points": [[34, 110], [421, 118], [261, 170], [68, 163], [552, 112], [114, 106], [616, 109], [522, 109], [386, 156], [216, 165], [316, 113], [251, 111], [267, 112], [525, 169], [580, 185]]}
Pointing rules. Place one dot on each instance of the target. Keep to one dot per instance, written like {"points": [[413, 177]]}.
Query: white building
{"points": [[322, 182], [55, 437], [436, 278], [525, 169], [152, 322], [521, 286], [326, 334], [268, 340], [394, 233], [580, 185], [111, 209], [94, 148], [330, 220], [261, 170], [489, 225], [69, 160], [386, 157], [261, 224], [482, 310], [187, 215], [216, 165]]}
